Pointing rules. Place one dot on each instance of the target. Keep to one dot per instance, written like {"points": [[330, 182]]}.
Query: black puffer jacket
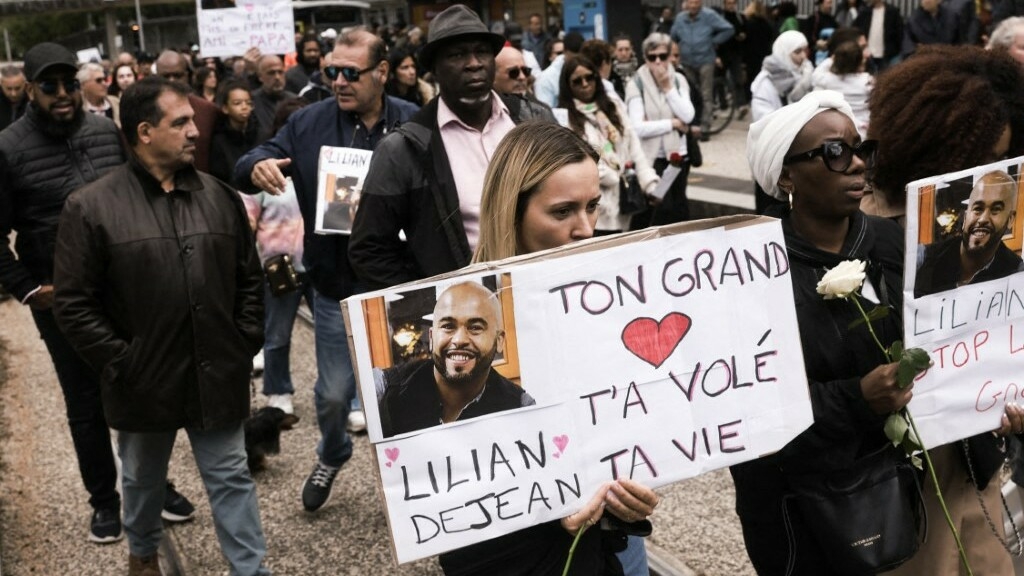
{"points": [[37, 172], [162, 294]]}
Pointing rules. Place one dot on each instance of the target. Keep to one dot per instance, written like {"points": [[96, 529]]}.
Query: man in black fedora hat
{"points": [[412, 185]]}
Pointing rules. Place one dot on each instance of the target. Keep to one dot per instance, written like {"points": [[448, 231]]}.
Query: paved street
{"points": [[44, 514]]}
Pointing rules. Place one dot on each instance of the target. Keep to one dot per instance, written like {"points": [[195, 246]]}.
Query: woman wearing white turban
{"points": [[810, 154], [785, 75]]}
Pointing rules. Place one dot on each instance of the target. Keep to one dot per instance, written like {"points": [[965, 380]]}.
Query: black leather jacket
{"points": [[37, 172], [162, 294]]}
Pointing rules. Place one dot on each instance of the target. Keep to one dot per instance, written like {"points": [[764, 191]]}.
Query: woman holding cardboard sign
{"points": [[810, 156], [542, 191]]}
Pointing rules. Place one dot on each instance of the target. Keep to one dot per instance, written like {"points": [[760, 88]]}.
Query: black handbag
{"points": [[866, 519], [631, 198], [693, 150], [281, 275]]}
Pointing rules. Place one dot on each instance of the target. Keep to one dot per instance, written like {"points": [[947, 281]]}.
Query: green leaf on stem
{"points": [[896, 428], [877, 313], [896, 349], [913, 361]]}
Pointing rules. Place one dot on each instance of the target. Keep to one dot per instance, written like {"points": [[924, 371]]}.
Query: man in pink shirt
{"points": [[426, 179]]}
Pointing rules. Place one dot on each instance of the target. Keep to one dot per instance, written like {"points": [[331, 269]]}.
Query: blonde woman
{"points": [[542, 191]]}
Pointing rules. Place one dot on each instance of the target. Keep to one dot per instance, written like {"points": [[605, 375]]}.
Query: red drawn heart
{"points": [[653, 341]]}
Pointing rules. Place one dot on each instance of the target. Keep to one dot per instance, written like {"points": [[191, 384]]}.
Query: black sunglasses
{"points": [[838, 155], [513, 73], [349, 73], [51, 87], [663, 56], [580, 80]]}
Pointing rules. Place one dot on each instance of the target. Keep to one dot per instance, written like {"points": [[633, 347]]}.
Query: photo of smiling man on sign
{"points": [[457, 382]]}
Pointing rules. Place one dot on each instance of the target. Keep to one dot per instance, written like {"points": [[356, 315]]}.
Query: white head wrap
{"points": [[787, 43], [769, 138]]}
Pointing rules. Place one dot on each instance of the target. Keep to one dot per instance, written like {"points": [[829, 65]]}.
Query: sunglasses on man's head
{"points": [[513, 73], [663, 56], [838, 155], [51, 87], [349, 73], [581, 80]]}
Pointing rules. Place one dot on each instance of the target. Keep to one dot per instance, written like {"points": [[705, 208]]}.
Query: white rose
{"points": [[843, 280]]}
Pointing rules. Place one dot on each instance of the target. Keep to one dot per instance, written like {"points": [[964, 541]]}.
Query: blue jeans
{"points": [[279, 318], [335, 382], [634, 557], [89, 432], [220, 457]]}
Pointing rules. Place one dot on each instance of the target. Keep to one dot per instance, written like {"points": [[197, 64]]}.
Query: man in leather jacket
{"points": [[159, 289]]}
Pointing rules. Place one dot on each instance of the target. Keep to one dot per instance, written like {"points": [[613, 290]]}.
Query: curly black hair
{"points": [[942, 110]]}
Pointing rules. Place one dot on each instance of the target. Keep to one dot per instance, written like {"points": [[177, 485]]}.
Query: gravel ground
{"points": [[44, 512]]}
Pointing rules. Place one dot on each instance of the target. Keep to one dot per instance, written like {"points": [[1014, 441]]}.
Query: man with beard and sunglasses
{"points": [[457, 382], [52, 150], [978, 253], [358, 116]]}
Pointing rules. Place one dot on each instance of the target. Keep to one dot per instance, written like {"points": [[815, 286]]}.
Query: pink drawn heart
{"points": [[561, 442], [388, 464], [249, 7], [653, 341], [392, 454]]}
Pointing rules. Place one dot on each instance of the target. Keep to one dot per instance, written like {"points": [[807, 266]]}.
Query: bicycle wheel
{"points": [[722, 109]]}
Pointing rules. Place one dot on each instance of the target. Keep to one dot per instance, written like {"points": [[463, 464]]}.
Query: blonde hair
{"points": [[525, 159]]}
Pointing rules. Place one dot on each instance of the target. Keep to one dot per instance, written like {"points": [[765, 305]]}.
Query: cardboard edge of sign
{"points": [[600, 243]]}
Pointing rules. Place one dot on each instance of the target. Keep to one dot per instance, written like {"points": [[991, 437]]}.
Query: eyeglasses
{"points": [[581, 80], [51, 87], [663, 56], [838, 155], [100, 80], [349, 73], [513, 73]]}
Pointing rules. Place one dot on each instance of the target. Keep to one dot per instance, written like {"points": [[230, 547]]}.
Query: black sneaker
{"points": [[105, 526], [177, 508], [316, 491]]}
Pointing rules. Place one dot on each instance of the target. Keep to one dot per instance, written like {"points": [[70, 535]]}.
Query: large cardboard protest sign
{"points": [[655, 356], [230, 27], [964, 298], [340, 176]]}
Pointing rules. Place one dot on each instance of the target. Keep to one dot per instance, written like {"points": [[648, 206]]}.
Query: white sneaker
{"points": [[356, 421], [257, 363], [282, 401]]}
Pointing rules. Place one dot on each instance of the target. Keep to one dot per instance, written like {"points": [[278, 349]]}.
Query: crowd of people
{"points": [[175, 179]]}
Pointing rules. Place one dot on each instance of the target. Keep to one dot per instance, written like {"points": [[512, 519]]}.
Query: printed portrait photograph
{"points": [[970, 230], [444, 353], [342, 195]]}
